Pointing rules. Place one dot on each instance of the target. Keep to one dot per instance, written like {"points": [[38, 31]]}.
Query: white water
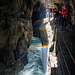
{"points": [[34, 66]]}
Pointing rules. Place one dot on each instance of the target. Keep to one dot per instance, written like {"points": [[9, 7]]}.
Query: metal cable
{"points": [[67, 48], [64, 58]]}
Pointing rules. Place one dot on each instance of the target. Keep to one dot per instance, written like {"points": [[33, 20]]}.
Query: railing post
{"points": [[55, 42]]}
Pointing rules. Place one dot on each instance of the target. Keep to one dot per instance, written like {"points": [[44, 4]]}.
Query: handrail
{"points": [[64, 59], [67, 48]]}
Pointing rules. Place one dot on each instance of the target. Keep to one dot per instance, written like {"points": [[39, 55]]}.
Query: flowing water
{"points": [[34, 66]]}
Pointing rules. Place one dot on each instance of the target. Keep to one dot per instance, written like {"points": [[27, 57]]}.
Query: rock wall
{"points": [[39, 12], [72, 4], [15, 33]]}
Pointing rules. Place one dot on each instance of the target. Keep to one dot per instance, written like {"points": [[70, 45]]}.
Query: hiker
{"points": [[64, 16], [47, 13], [50, 13], [55, 14], [60, 17]]}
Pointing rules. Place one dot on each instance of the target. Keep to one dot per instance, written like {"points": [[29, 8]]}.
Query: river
{"points": [[34, 66]]}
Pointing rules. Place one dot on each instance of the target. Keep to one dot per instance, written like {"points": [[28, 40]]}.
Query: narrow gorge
{"points": [[20, 22]]}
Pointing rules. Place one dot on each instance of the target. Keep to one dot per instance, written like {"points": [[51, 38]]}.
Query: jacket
{"points": [[64, 12]]}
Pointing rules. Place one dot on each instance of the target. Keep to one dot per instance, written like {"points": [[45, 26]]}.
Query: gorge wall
{"points": [[16, 30], [71, 7], [15, 34], [39, 12]]}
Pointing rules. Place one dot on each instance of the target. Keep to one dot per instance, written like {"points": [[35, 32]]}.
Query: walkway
{"points": [[65, 49], [64, 62]]}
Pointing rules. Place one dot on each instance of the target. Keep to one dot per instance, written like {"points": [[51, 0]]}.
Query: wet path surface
{"points": [[66, 51]]}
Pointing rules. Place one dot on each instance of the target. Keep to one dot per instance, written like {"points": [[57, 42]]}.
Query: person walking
{"points": [[55, 14], [50, 13], [64, 16], [60, 16], [47, 13]]}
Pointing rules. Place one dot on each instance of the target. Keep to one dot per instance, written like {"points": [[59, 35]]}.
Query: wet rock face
{"points": [[15, 29], [18, 8], [39, 12], [72, 4]]}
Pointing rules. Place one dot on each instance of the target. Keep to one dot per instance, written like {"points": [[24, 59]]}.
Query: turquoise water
{"points": [[34, 66]]}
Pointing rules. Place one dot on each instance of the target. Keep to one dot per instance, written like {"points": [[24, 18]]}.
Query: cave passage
{"points": [[31, 40]]}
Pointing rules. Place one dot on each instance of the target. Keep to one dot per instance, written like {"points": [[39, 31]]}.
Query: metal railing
{"points": [[62, 58]]}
